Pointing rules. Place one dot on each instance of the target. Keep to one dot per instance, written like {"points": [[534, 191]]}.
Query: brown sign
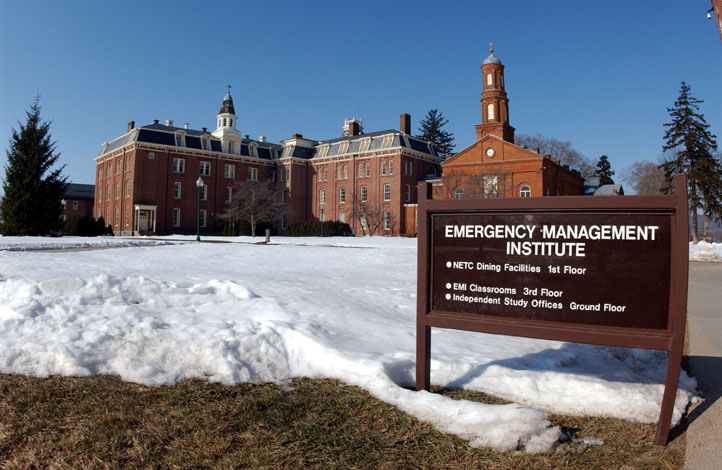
{"points": [[592, 269], [597, 270]]}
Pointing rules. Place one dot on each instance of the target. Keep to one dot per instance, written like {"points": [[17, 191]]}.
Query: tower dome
{"points": [[492, 59]]}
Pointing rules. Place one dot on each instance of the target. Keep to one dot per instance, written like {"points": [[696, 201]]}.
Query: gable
{"points": [[503, 151]]}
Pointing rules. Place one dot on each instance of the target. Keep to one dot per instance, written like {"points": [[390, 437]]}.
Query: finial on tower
{"points": [[229, 88], [491, 47]]}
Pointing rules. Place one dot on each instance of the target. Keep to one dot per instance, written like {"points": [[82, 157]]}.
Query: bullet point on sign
{"points": [[448, 296], [448, 285], [448, 264]]}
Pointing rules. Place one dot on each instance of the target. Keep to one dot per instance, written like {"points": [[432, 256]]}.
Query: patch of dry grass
{"points": [[102, 422]]}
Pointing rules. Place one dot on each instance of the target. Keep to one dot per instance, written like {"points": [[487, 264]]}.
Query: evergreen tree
{"points": [[690, 145], [32, 189], [604, 170], [432, 130]]}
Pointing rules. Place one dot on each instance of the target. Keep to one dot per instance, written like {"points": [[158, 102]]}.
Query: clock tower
{"points": [[494, 103]]}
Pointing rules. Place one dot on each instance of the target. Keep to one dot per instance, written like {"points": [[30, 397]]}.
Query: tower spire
{"points": [[494, 102]]}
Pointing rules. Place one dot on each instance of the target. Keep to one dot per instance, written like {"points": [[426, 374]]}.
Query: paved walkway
{"points": [[704, 319]]}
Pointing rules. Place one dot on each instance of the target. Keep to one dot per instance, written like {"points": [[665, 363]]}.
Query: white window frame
{"points": [[345, 172], [204, 218], [204, 192], [391, 167], [117, 190], [177, 190], [322, 197], [229, 195], [383, 168], [408, 192], [75, 205], [284, 196], [205, 168], [229, 171], [176, 217], [252, 173], [387, 220], [341, 195], [388, 140], [179, 165], [387, 192], [364, 193], [127, 188], [525, 191]]}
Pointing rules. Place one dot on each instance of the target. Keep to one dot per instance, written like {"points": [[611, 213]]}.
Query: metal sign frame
{"points": [[670, 339]]}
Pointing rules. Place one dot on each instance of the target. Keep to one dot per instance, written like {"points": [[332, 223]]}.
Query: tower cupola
{"points": [[494, 102], [226, 125]]}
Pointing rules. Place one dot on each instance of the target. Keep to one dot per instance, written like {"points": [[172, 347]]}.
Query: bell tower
{"points": [[226, 128], [494, 103]]}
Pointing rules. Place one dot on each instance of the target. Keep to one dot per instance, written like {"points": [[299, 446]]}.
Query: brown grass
{"points": [[102, 422]]}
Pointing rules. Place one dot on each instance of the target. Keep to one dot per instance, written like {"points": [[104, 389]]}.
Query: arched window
{"points": [[459, 193], [525, 191], [488, 79], [490, 111]]}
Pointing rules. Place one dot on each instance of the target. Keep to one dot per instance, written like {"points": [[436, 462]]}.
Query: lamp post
{"points": [[199, 185]]}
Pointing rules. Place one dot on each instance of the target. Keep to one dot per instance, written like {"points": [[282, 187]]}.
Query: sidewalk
{"points": [[704, 320]]}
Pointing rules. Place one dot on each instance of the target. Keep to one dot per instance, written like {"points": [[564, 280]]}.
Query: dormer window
{"points": [[323, 151], [253, 149], [343, 148], [287, 151], [365, 144], [388, 140]]}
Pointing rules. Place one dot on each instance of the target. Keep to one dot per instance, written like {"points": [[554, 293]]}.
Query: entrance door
{"points": [[143, 221]]}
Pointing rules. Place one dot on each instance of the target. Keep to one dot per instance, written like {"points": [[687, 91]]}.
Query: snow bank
{"points": [[68, 243], [235, 313], [706, 252]]}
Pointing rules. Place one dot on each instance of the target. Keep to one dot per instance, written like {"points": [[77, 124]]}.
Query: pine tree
{"points": [[31, 204], [604, 170], [431, 130], [690, 145]]}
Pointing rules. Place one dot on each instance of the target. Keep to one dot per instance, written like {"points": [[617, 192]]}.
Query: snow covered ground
{"points": [[708, 252], [318, 307]]}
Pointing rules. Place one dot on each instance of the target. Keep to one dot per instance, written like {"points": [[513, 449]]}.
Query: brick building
{"points": [[78, 200], [147, 179], [494, 166]]}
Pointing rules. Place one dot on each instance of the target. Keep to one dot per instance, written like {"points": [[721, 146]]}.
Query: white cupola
{"points": [[226, 126]]}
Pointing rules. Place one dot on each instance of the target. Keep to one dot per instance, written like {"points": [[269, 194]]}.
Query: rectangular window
{"points": [[325, 174], [284, 218], [204, 192], [179, 165], [117, 190], [360, 169], [322, 197], [100, 195], [176, 190], [387, 220], [107, 193], [253, 174], [176, 217], [338, 172], [205, 169], [367, 170], [284, 196], [151, 156], [391, 167], [100, 173], [364, 193], [75, 205], [408, 193], [387, 192], [127, 216], [117, 217], [273, 176], [383, 168], [229, 194], [127, 188], [341, 195], [204, 215], [320, 175], [345, 172]]}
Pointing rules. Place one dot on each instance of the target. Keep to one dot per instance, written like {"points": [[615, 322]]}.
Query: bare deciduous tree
{"points": [[255, 202], [644, 177], [562, 151]]}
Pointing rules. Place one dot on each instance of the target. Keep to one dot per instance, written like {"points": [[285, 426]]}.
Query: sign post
{"points": [[599, 270]]}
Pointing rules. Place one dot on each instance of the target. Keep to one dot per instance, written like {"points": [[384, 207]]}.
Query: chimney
{"points": [[405, 124], [535, 150], [262, 138], [155, 121], [185, 126], [131, 126], [205, 129], [558, 162], [169, 122], [297, 136], [354, 128]]}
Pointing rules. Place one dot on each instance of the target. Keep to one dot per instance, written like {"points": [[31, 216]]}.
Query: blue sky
{"points": [[600, 74]]}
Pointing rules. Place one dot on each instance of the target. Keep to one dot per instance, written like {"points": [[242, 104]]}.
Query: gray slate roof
{"points": [[79, 191]]}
